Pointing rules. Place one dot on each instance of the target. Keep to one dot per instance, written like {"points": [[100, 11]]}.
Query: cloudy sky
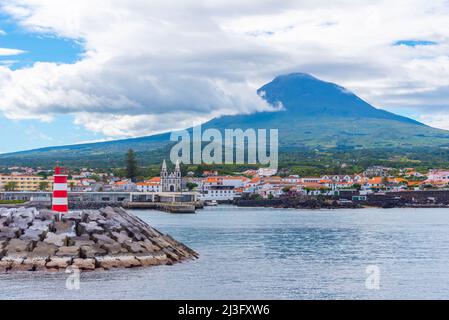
{"points": [[75, 71]]}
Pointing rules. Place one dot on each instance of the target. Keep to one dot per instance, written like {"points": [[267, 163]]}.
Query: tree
{"points": [[131, 165], [43, 174], [184, 169], [191, 185], [11, 186], [199, 170], [43, 185], [95, 177]]}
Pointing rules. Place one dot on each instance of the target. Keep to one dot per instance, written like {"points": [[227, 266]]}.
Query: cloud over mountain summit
{"points": [[151, 66]]}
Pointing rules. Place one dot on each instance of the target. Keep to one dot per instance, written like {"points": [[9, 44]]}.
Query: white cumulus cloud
{"points": [[10, 52], [151, 66]]}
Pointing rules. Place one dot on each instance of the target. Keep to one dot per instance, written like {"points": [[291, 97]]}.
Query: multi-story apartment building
{"points": [[21, 182], [29, 182]]}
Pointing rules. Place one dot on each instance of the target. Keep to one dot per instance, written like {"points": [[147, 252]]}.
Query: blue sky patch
{"points": [[30, 134], [37, 46], [415, 43]]}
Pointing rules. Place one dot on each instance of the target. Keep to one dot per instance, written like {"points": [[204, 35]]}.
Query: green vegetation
{"points": [[43, 174], [10, 186], [12, 201], [300, 161], [96, 178], [43, 185], [191, 185], [131, 165]]}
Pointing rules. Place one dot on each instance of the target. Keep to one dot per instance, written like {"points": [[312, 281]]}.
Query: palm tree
{"points": [[43, 186], [11, 186]]}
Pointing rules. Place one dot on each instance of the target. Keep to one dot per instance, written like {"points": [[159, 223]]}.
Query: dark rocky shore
{"points": [[38, 240], [297, 203], [420, 199]]}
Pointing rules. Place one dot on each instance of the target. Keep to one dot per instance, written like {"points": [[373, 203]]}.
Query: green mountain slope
{"points": [[314, 115]]}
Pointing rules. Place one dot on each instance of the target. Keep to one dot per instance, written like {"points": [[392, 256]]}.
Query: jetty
{"points": [[44, 240], [171, 207]]}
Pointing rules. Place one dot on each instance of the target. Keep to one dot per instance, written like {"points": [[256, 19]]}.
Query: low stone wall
{"points": [[34, 240]]}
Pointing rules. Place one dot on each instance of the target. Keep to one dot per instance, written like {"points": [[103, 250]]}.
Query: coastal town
{"points": [[213, 187]]}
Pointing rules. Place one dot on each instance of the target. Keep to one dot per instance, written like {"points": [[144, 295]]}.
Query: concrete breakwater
{"points": [[38, 240], [171, 207], [162, 206]]}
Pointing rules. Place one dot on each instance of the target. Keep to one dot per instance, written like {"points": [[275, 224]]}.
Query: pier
{"points": [[161, 206]]}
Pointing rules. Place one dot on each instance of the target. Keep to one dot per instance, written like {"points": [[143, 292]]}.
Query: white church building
{"points": [[171, 181]]}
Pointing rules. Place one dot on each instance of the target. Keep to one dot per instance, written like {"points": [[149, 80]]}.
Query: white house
{"points": [[338, 178], [152, 185], [148, 187], [266, 172], [227, 181], [293, 179], [218, 193], [438, 175], [312, 179], [124, 185]]}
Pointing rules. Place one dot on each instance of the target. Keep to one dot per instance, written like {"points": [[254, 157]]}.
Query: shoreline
{"points": [[285, 203], [330, 205]]}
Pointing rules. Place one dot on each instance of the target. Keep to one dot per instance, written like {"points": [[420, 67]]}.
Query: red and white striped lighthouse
{"points": [[60, 202]]}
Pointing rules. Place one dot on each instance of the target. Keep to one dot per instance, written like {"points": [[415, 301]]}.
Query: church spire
{"points": [[164, 172], [178, 169]]}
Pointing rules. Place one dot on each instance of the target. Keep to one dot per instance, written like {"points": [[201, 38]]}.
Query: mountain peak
{"points": [[305, 95], [295, 75]]}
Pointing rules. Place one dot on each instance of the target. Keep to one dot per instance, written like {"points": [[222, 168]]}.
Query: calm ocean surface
{"points": [[260, 253]]}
